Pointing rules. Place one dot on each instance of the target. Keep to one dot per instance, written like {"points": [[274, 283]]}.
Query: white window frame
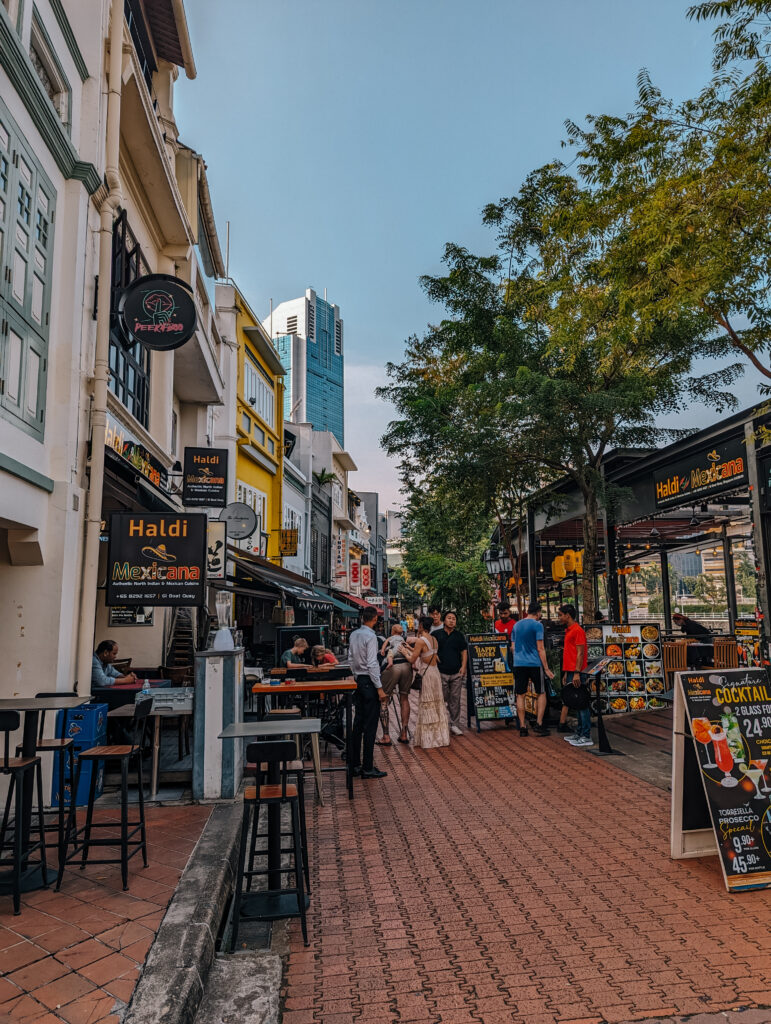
{"points": [[258, 501], [259, 393]]}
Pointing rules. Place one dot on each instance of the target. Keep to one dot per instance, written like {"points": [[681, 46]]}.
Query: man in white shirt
{"points": [[369, 696]]}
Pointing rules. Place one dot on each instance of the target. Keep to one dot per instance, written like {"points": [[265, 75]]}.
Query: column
{"points": [[666, 593]]}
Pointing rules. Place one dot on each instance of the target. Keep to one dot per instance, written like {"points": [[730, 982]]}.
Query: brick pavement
{"points": [[75, 956], [510, 879]]}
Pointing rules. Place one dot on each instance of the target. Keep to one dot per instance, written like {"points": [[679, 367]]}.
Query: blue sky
{"points": [[347, 141]]}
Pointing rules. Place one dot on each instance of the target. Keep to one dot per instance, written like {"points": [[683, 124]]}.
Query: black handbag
{"points": [[576, 698], [417, 682]]}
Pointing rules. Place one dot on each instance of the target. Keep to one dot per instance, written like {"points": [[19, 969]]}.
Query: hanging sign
{"points": [[205, 478], [491, 676], [120, 440], [241, 519], [729, 713], [706, 472], [355, 572], [156, 559], [366, 577], [216, 547], [287, 542], [159, 311]]}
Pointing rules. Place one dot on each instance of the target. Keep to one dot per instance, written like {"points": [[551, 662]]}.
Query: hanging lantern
{"points": [[558, 569], [569, 558], [636, 568], [580, 562]]}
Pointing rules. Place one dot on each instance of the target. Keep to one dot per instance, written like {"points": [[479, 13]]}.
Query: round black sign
{"points": [[157, 310]]}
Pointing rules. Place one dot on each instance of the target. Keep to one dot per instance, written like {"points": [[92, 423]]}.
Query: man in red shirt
{"points": [[575, 660], [506, 621]]}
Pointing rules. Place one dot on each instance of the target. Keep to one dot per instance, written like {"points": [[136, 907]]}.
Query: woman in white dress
{"points": [[433, 728]]}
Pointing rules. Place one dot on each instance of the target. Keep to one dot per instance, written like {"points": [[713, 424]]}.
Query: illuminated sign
{"points": [[159, 311], [205, 478], [156, 559], [709, 472], [124, 443]]}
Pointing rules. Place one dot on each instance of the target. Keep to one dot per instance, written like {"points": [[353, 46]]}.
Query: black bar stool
{"points": [[126, 753], [23, 770], [63, 746], [264, 755]]}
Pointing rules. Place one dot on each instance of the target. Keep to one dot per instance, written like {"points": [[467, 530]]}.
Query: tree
{"points": [[746, 577]]}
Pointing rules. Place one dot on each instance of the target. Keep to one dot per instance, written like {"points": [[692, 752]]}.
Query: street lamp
{"points": [[499, 566]]}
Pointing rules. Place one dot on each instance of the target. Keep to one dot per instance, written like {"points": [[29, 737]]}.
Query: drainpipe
{"points": [[102, 357]]}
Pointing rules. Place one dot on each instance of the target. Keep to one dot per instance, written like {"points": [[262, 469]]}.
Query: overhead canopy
{"points": [[340, 606], [251, 569], [359, 602]]}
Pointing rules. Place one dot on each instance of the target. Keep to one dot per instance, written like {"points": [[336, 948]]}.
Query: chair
{"points": [[264, 756], [20, 769], [126, 753], [673, 659], [63, 746], [726, 653], [279, 714]]}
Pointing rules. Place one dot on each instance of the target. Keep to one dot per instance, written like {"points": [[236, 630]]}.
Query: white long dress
{"points": [[433, 728]]}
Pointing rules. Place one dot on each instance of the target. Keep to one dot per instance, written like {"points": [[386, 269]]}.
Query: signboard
{"points": [[492, 677], [205, 477], [706, 472], [124, 443], [748, 634], [366, 577], [216, 549], [123, 615], [263, 545], [241, 520], [633, 677], [156, 559], [287, 542], [355, 571], [159, 311], [729, 713]]}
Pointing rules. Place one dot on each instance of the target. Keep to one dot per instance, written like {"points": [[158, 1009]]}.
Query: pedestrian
{"points": [[575, 692], [403, 624], [396, 674], [436, 618], [433, 728], [453, 656], [530, 666], [506, 620], [362, 652]]}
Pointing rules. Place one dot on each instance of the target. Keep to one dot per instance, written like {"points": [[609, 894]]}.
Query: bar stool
{"points": [[263, 755], [126, 753], [287, 714], [20, 769], [63, 746], [297, 770]]}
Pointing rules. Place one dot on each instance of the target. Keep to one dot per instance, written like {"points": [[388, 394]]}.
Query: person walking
{"points": [[530, 666], [453, 656], [436, 618], [575, 661], [433, 729], [396, 673], [362, 652]]}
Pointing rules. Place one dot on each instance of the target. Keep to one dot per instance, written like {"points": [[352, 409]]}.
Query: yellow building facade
{"points": [[259, 424]]}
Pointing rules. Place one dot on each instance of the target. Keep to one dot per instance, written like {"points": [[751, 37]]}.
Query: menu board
{"points": [[491, 676], [747, 633], [633, 678], [729, 713], [130, 615]]}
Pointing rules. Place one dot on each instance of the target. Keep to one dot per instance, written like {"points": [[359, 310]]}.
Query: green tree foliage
{"points": [[746, 577]]}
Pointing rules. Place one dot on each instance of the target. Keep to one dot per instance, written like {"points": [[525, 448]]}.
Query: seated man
{"points": [[296, 655], [102, 671]]}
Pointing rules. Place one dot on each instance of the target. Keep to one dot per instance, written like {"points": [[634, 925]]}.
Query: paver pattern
{"points": [[508, 879], [75, 956]]}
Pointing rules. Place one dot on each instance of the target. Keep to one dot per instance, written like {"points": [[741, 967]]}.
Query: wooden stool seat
{"points": [[14, 763], [97, 753], [54, 743], [271, 792]]}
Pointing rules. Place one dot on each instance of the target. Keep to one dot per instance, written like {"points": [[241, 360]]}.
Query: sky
{"points": [[347, 141]]}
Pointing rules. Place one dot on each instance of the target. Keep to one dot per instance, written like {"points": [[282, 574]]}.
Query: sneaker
{"points": [[563, 727], [541, 730], [523, 731], [456, 730], [581, 741], [571, 737]]}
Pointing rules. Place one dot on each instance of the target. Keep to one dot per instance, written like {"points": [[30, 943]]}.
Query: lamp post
{"points": [[498, 566]]}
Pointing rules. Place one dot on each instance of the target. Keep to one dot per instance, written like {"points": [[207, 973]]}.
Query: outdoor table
{"points": [[267, 731], [127, 711], [330, 686], [697, 655], [32, 706]]}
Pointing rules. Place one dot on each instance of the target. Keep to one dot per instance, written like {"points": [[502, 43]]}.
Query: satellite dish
{"points": [[240, 518]]}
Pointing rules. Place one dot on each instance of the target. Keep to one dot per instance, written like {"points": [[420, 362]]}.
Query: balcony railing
{"points": [[141, 40]]}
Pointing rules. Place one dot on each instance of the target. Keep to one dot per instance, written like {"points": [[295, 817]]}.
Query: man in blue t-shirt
{"points": [[530, 665]]}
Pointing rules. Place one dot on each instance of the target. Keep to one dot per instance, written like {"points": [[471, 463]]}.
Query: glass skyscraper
{"points": [[308, 333]]}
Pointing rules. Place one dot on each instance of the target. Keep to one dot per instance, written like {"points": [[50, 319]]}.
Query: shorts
{"points": [[399, 676], [525, 674]]}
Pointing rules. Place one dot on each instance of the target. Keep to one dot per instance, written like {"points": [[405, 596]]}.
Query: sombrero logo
{"points": [[160, 553]]}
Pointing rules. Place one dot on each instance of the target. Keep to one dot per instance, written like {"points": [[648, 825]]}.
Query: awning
{"points": [[359, 602], [339, 606], [252, 568]]}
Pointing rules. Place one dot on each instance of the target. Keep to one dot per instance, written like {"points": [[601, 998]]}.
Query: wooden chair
{"points": [[673, 659], [726, 653]]}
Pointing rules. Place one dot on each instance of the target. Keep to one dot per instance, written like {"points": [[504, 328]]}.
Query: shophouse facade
{"points": [[333, 464], [297, 496]]}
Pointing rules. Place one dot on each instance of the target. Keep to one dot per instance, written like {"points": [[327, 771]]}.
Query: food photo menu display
{"points": [[729, 712], [633, 678]]}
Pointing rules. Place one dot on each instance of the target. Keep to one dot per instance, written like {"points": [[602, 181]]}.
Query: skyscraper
{"points": [[308, 334]]}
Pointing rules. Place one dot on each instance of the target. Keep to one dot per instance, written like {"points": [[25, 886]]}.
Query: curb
{"points": [[173, 981]]}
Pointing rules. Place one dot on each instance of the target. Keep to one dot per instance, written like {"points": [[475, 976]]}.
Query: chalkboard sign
{"points": [[729, 713], [492, 678]]}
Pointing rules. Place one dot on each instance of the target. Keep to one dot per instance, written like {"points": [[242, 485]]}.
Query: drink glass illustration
{"points": [[701, 733], [761, 762], [724, 757], [754, 774]]}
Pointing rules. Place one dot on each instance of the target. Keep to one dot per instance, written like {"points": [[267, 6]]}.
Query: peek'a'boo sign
{"points": [[159, 311], [156, 559]]}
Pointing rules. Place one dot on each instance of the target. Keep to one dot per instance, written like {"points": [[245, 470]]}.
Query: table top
{"points": [[155, 684], [42, 703], [313, 670], [127, 711], [246, 730], [322, 686]]}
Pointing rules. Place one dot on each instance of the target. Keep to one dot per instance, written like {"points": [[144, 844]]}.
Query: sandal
{"points": [[385, 742], [404, 741]]}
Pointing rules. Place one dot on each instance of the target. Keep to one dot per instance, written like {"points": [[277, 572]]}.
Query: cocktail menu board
{"points": [[491, 676], [729, 712], [633, 678], [748, 636]]}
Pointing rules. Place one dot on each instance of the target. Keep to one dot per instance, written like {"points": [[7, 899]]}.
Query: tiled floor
{"points": [[75, 956], [508, 879]]}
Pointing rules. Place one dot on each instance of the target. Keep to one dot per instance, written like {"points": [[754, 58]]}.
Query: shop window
{"points": [[258, 391], [258, 501], [49, 71], [324, 567], [129, 367], [271, 446], [246, 423], [27, 212], [259, 434]]}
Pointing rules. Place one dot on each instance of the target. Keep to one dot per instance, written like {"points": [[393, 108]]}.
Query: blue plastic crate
{"points": [[86, 724], [85, 778]]}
